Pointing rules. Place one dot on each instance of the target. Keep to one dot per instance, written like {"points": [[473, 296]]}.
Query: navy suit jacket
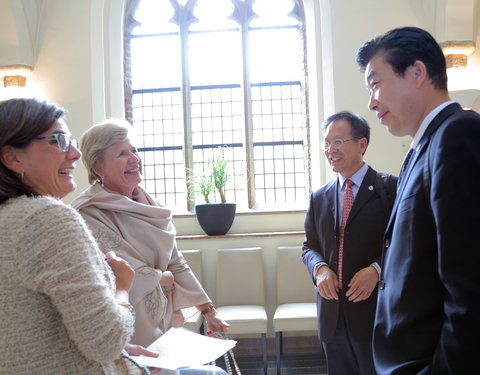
{"points": [[428, 314], [362, 246]]}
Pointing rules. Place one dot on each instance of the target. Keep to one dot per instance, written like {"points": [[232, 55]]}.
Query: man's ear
{"points": [[420, 72], [9, 158], [364, 144]]}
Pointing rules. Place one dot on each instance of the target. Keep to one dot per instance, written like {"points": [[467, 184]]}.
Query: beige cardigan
{"points": [[144, 235], [58, 312]]}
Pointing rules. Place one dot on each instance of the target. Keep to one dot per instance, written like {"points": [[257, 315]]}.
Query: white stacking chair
{"points": [[296, 301], [240, 293], [193, 318]]}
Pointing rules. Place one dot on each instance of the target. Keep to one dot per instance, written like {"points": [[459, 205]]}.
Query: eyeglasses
{"points": [[337, 143], [63, 141]]}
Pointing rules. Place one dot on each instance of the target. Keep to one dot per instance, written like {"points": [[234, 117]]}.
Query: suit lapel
{"points": [[332, 199], [365, 192], [436, 122]]}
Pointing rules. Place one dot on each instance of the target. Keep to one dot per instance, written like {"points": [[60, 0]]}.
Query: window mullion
{"points": [[247, 105], [187, 115], [266, 106]]}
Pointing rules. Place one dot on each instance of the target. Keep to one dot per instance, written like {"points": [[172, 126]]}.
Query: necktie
{"points": [[404, 165], [347, 206]]}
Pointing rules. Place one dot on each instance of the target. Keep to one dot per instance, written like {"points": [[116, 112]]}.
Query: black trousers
{"points": [[347, 356]]}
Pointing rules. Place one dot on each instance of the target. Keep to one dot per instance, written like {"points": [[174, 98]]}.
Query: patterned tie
{"points": [[347, 206], [404, 166]]}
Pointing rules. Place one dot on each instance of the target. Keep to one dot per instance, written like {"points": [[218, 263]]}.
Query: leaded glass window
{"points": [[229, 73]]}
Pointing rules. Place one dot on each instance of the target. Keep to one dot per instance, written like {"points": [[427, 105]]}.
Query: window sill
{"points": [[246, 223], [241, 235], [248, 213]]}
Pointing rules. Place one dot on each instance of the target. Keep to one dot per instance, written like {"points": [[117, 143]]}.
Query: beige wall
{"points": [[75, 49]]}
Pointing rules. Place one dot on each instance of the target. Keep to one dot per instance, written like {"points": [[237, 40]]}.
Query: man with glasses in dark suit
{"points": [[344, 227]]}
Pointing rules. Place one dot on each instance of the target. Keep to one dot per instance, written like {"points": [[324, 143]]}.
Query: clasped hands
{"points": [[167, 282], [359, 288]]}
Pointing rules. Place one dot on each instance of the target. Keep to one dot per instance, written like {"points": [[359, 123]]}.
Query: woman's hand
{"points": [[124, 274], [214, 323], [166, 281], [140, 350]]}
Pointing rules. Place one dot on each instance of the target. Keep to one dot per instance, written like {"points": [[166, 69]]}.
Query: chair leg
{"points": [[281, 343], [278, 349], [264, 350]]}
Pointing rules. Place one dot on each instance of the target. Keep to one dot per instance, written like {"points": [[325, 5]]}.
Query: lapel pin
{"points": [[370, 188]]}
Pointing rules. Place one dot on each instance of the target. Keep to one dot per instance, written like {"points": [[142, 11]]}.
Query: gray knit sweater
{"points": [[58, 314]]}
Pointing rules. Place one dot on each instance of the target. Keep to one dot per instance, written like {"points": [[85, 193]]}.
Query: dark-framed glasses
{"points": [[63, 141], [337, 143]]}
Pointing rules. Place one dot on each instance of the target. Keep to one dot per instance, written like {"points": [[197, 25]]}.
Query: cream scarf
{"points": [[144, 235]]}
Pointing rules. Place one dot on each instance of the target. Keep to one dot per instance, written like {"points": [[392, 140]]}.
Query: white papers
{"points": [[180, 347]]}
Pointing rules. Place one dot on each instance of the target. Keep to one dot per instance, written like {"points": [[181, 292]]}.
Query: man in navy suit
{"points": [[346, 308], [428, 312]]}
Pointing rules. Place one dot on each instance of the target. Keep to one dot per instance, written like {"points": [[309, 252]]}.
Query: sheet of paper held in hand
{"points": [[180, 347]]}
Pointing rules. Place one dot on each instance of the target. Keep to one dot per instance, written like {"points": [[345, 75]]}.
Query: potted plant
{"points": [[214, 218]]}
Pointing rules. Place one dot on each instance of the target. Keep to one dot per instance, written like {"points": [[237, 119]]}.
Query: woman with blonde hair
{"points": [[126, 219]]}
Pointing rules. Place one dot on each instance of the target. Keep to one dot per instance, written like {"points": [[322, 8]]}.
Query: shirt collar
{"points": [[426, 121], [357, 177]]}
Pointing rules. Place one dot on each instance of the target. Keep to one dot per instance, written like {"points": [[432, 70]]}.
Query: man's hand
{"points": [[362, 284], [327, 283]]}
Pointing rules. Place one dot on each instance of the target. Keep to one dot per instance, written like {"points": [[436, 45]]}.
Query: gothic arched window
{"points": [[207, 73]]}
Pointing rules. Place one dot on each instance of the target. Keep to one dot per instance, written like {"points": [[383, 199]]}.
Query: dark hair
{"points": [[403, 46], [359, 127], [22, 120]]}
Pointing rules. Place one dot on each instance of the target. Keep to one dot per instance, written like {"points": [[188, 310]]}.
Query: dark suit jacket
{"points": [[362, 246], [428, 314]]}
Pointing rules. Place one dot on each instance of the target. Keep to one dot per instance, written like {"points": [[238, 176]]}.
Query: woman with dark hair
{"points": [[63, 310]]}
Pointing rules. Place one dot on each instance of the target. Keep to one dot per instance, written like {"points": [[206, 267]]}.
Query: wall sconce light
{"points": [[462, 83], [457, 52], [15, 75]]}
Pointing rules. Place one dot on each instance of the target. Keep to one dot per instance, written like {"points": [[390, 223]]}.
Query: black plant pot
{"points": [[215, 218]]}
